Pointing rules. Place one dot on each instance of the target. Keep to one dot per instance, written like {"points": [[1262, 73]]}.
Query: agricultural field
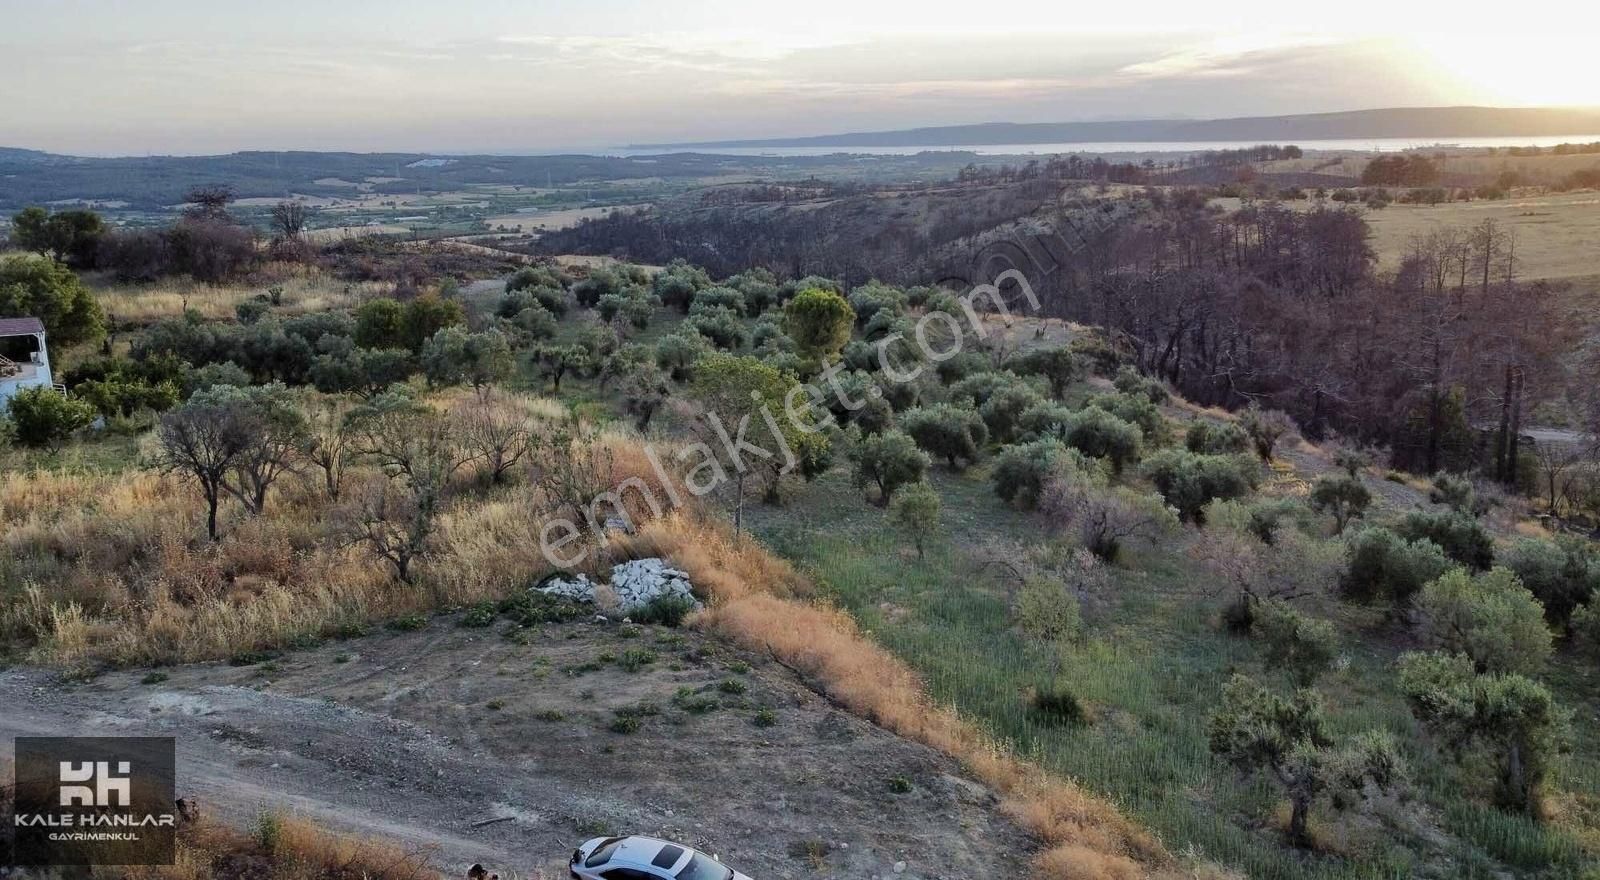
{"points": [[1557, 235]]}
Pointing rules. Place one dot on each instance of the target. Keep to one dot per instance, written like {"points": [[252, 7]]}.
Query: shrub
{"points": [[719, 297], [45, 419], [1461, 537], [1003, 411], [664, 611], [962, 365], [1563, 574], [1216, 438], [888, 461], [678, 353], [1136, 410], [1263, 519], [1099, 434], [875, 417], [1058, 366], [531, 608], [1132, 382], [1104, 517], [1456, 492], [1303, 646], [1047, 611], [1491, 618], [1021, 471], [916, 511], [1057, 707], [1386, 566], [951, 433], [1342, 496], [535, 321], [1189, 481], [720, 325]]}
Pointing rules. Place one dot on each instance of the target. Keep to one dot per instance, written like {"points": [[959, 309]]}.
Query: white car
{"points": [[645, 858]]}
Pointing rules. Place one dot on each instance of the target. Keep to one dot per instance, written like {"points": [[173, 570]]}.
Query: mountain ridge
{"points": [[1387, 122]]}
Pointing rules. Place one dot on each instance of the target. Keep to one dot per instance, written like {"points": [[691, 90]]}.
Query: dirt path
{"points": [[422, 736]]}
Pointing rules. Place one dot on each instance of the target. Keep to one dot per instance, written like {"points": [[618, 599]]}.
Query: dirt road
{"points": [[504, 746]]}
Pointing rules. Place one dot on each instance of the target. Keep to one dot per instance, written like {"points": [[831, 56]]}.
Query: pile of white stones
{"points": [[635, 584]]}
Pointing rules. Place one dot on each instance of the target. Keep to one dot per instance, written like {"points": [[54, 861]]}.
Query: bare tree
{"points": [[204, 443], [210, 200], [289, 218], [417, 451], [328, 443], [498, 432]]}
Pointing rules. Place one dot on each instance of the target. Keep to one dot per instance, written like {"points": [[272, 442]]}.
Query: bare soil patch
{"points": [[508, 746]]}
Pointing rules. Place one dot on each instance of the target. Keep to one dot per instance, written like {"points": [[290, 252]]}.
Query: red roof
{"points": [[20, 326]]}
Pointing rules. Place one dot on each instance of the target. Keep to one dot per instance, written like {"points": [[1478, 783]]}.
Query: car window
{"points": [[668, 856], [702, 868], [602, 853]]}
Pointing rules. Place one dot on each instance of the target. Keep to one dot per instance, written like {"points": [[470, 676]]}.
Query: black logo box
{"points": [[119, 819]]}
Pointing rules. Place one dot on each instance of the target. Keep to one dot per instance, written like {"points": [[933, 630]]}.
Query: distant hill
{"points": [[1396, 122]]}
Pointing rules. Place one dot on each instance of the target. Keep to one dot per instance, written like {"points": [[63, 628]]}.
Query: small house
{"points": [[24, 358]]}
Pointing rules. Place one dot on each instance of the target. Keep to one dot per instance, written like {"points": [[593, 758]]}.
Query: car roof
{"points": [[641, 852]]}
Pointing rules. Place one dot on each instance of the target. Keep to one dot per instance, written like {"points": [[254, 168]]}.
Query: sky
{"points": [[103, 77]]}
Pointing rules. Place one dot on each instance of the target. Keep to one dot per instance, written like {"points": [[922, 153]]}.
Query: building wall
{"points": [[40, 377]]}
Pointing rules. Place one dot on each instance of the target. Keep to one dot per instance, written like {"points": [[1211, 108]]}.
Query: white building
{"points": [[33, 369]]}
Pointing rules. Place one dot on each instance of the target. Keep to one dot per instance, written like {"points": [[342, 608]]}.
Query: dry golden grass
{"points": [[305, 290], [283, 848]]}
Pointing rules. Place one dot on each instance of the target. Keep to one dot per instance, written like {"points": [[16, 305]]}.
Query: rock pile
{"points": [[634, 584]]}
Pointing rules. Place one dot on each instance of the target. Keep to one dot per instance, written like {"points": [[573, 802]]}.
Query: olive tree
{"points": [[888, 461], [1511, 719], [1286, 739], [916, 511]]}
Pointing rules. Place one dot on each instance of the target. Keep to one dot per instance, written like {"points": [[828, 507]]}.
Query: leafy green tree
{"points": [[554, 362], [1564, 574], [1215, 438], [719, 297], [535, 322], [679, 352], [1021, 471], [888, 461], [952, 433], [1130, 381], [741, 397], [1461, 537], [1512, 719], [1386, 567], [1287, 741], [1342, 496], [916, 511], [1135, 409], [73, 237], [203, 441], [47, 290], [380, 323], [1301, 645], [45, 419], [427, 315], [601, 283], [454, 356], [1189, 481], [1099, 434], [874, 417], [1058, 366], [1491, 618], [720, 325], [1002, 412], [276, 437], [759, 287], [677, 284], [819, 322]]}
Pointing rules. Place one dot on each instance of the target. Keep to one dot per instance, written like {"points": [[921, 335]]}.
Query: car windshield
{"points": [[602, 853], [702, 868]]}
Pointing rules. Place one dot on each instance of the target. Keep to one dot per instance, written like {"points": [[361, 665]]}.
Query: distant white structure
{"points": [[31, 372]]}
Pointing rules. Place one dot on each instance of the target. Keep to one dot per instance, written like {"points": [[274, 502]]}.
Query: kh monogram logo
{"points": [[108, 790]]}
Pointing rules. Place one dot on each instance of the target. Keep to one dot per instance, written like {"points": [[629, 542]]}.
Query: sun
{"points": [[1514, 68]]}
